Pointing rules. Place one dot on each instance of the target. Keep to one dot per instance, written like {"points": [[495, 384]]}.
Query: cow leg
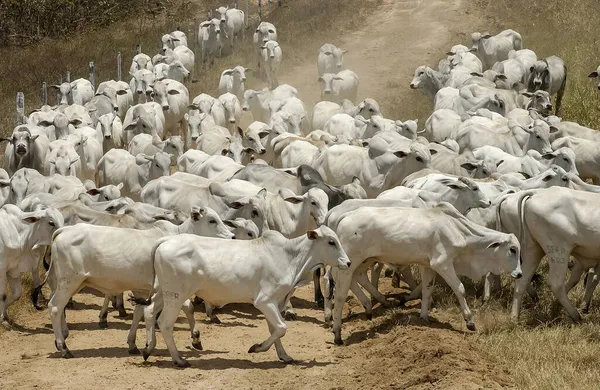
{"points": [[427, 281], [288, 311], [559, 263], [3, 306], [317, 287], [447, 272], [531, 255], [361, 277], [210, 313], [277, 328], [416, 293], [364, 300], [15, 293], [343, 282], [150, 322], [188, 309], [56, 307], [592, 282], [408, 277], [170, 311], [492, 283], [103, 322], [120, 306], [138, 313], [575, 276], [376, 273], [328, 304], [38, 254]]}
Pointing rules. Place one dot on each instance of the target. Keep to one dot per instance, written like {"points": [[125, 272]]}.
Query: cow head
{"points": [[168, 42], [539, 101], [22, 141], [422, 73], [159, 164], [252, 208], [177, 71], [326, 248], [242, 228], [232, 106], [43, 224], [539, 136], [106, 193], [539, 76], [206, 222], [65, 91], [143, 81], [314, 202], [63, 165]]}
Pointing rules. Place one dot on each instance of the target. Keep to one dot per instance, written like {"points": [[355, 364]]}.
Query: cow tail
{"points": [[147, 301], [523, 196]]}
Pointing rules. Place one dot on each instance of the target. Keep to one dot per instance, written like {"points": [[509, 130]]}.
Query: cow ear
{"points": [[494, 245], [593, 75], [173, 92], [197, 213], [236, 205], [499, 163], [527, 94], [31, 219], [355, 180], [320, 79], [547, 178], [449, 53], [264, 133], [553, 129], [312, 235], [4, 182], [294, 199], [469, 166], [475, 74], [240, 131], [119, 186], [526, 175], [230, 223], [34, 137], [224, 152], [432, 151], [400, 154], [548, 156], [93, 191], [531, 68], [262, 193]]}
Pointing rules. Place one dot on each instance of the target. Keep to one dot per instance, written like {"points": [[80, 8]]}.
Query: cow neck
{"points": [[302, 260]]}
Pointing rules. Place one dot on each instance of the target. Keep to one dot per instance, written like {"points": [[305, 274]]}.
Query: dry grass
{"points": [[568, 29], [303, 26]]}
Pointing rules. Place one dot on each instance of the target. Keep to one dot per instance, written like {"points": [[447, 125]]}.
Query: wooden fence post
{"points": [[279, 3], [247, 12], [236, 4], [44, 94], [20, 108], [58, 92], [92, 76], [138, 48], [68, 77], [119, 66], [268, 3], [259, 11]]}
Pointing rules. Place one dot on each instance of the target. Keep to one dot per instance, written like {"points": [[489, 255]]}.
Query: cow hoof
{"points": [[585, 310], [145, 355], [253, 349], [122, 313], [67, 354], [70, 304], [103, 324], [320, 303], [369, 316], [337, 339], [287, 359], [182, 364], [197, 345], [289, 316], [215, 320], [197, 300], [471, 326], [5, 324], [134, 351]]}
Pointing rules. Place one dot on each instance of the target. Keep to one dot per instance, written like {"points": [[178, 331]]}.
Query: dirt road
{"points": [[394, 351]]}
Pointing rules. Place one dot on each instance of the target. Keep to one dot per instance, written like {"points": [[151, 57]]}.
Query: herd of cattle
{"points": [[88, 184]]}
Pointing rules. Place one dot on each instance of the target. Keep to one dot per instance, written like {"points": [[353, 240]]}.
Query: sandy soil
{"points": [[394, 351]]}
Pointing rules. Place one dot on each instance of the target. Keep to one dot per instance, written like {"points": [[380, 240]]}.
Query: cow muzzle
{"points": [[327, 92], [140, 92], [232, 120], [413, 86], [344, 263], [272, 56], [165, 107], [245, 108], [516, 274], [21, 150], [107, 137]]}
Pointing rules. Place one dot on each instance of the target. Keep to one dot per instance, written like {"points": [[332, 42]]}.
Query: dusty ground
{"points": [[394, 351]]}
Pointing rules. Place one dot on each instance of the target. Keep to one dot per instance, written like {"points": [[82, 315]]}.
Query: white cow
{"points": [[174, 71], [5, 190], [232, 80], [271, 57], [147, 144], [124, 95], [338, 86], [491, 49], [216, 167], [25, 149], [63, 159], [587, 156], [378, 167], [119, 166], [174, 99], [211, 40], [264, 33], [91, 262], [79, 92], [210, 105], [141, 85], [257, 102], [595, 74], [232, 21], [550, 75], [258, 277], [20, 235], [140, 61], [330, 59], [145, 118], [401, 236], [322, 112], [110, 127], [345, 127], [233, 108], [172, 40]]}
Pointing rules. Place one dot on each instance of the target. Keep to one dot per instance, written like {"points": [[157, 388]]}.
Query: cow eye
{"points": [[331, 242], [566, 159], [254, 213], [485, 172], [537, 136], [513, 250], [51, 223], [313, 203], [212, 221], [419, 159], [249, 234]]}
